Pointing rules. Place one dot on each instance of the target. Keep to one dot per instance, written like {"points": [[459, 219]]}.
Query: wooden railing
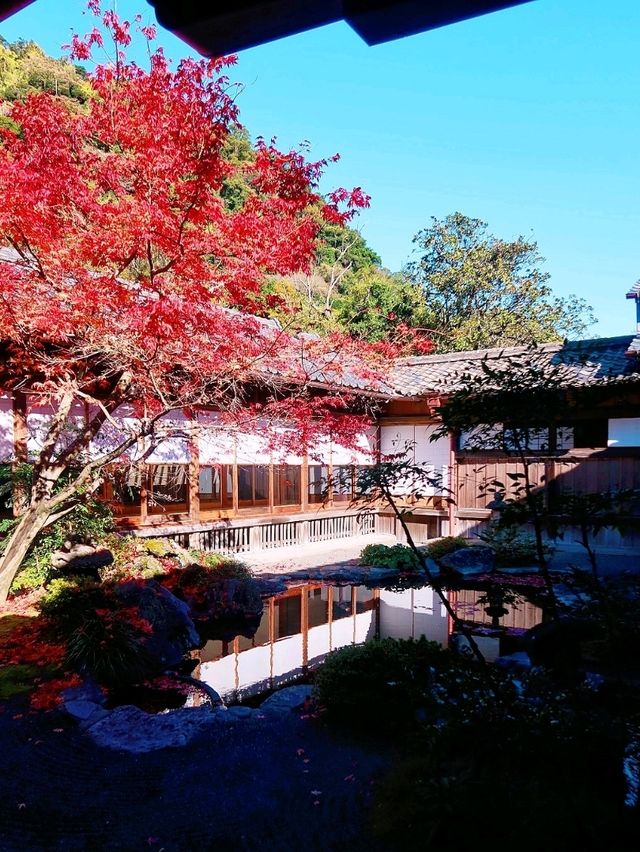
{"points": [[245, 538]]}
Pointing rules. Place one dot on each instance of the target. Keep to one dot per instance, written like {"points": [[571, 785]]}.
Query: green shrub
{"points": [[221, 567], [512, 545], [32, 575], [385, 682], [158, 546], [437, 549], [398, 556], [91, 521], [530, 782]]}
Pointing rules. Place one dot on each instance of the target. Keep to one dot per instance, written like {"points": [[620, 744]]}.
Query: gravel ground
{"points": [[278, 783]]}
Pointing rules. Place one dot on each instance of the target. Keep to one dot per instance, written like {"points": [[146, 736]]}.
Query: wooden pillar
{"points": [[193, 472], [304, 621], [453, 486], [234, 478], [144, 492], [272, 488], [304, 483]]}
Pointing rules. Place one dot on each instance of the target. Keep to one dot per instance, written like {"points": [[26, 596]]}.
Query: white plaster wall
{"points": [[113, 433], [216, 444], [341, 633], [292, 451], [365, 452], [318, 643], [220, 674], [253, 666], [624, 432], [6, 427], [412, 613], [287, 655], [173, 449], [40, 415], [320, 452], [365, 625], [397, 439], [252, 449]]}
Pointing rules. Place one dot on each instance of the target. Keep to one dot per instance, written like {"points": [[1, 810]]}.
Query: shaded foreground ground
{"points": [[279, 783]]}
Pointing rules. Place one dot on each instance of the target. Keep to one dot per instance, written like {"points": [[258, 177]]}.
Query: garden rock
{"points": [[272, 586], [518, 661], [380, 575], [232, 714], [523, 569], [344, 575], [79, 558], [173, 633], [288, 699], [130, 729], [557, 644], [80, 709], [159, 547], [87, 691], [469, 561]]}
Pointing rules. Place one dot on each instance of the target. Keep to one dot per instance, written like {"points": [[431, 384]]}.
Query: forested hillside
{"points": [[463, 289]]}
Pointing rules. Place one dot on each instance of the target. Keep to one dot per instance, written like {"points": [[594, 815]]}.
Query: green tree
{"points": [[483, 292], [25, 68], [373, 302]]}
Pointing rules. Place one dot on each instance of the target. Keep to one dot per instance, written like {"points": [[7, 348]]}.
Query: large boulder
{"points": [[223, 608], [557, 644], [469, 561], [81, 559], [173, 631]]}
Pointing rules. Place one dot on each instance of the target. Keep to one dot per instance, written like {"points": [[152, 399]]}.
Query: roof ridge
{"points": [[506, 351], [478, 354]]}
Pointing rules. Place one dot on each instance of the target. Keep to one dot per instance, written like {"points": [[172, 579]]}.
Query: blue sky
{"points": [[527, 118]]}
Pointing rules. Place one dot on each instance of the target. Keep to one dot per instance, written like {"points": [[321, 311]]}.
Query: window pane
{"points": [[286, 484], [342, 482], [341, 602], [262, 483], [317, 607], [318, 482], [288, 616], [127, 486], [210, 483], [245, 482], [167, 486]]}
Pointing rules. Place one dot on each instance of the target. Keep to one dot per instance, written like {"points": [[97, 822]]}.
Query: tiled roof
{"points": [[582, 362], [634, 292]]}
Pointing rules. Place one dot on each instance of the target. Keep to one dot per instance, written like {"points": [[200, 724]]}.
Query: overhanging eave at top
{"points": [[216, 29]]}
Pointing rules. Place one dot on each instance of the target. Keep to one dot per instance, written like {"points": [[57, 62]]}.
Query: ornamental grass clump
{"points": [[102, 637]]}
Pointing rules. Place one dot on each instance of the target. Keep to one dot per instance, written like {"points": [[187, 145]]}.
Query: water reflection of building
{"points": [[301, 626], [298, 629]]}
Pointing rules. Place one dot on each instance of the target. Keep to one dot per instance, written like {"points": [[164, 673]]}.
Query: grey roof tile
{"points": [[582, 363]]}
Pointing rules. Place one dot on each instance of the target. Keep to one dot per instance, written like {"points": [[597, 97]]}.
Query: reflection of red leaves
{"points": [[48, 695]]}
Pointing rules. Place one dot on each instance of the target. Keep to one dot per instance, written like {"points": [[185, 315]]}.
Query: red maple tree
{"points": [[125, 278]]}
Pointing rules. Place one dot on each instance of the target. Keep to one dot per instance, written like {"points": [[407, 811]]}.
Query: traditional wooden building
{"points": [[223, 489]]}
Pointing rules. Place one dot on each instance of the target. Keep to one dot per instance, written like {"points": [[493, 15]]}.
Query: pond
{"points": [[301, 626]]}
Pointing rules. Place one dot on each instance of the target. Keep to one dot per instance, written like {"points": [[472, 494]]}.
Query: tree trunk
{"points": [[18, 544]]}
